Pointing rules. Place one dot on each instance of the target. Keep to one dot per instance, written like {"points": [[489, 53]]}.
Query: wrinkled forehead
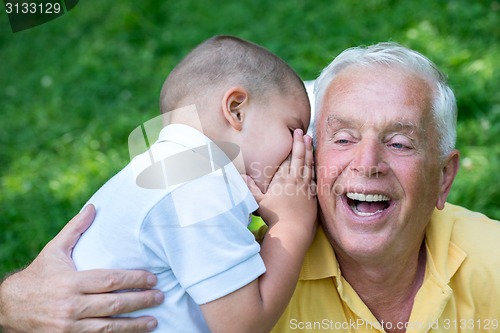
{"points": [[378, 86]]}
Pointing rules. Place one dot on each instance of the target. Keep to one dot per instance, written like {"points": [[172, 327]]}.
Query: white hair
{"points": [[443, 105]]}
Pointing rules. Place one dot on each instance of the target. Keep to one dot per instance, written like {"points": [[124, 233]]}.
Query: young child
{"points": [[188, 224]]}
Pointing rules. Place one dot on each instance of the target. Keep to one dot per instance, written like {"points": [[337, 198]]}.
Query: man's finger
{"points": [[107, 280], [111, 304], [116, 325], [67, 238]]}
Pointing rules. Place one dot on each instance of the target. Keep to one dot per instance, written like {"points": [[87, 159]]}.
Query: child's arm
{"points": [[289, 208]]}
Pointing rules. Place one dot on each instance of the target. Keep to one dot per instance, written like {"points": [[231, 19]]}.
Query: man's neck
{"points": [[387, 288]]}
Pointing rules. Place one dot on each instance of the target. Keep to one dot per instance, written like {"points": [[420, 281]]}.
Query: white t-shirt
{"points": [[192, 233]]}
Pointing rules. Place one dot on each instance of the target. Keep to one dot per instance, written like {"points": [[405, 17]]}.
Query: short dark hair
{"points": [[227, 60]]}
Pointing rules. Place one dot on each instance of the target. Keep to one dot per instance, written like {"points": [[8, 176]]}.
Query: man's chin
{"points": [[363, 245]]}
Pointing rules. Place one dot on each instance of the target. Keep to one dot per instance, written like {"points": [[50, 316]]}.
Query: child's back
{"points": [[174, 230]]}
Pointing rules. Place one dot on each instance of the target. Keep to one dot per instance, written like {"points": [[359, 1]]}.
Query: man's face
{"points": [[377, 161]]}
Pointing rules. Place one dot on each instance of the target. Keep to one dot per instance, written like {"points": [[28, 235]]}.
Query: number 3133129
{"points": [[33, 8]]}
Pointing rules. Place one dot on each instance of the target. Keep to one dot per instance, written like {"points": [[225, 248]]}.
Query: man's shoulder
{"points": [[477, 236], [458, 232], [472, 230]]}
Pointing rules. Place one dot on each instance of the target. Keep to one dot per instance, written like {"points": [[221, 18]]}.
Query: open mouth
{"points": [[367, 204]]}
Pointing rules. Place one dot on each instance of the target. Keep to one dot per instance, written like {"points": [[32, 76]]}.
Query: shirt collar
{"points": [[444, 257], [184, 135], [320, 261]]}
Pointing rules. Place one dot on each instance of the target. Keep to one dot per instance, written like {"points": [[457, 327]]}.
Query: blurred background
{"points": [[73, 89]]}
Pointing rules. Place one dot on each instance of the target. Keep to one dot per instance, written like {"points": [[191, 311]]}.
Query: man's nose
{"points": [[369, 159]]}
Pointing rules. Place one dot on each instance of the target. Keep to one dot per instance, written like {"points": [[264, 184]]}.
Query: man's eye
{"points": [[342, 141], [398, 145], [401, 146]]}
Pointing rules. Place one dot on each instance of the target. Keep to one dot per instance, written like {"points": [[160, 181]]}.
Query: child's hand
{"points": [[291, 193], [289, 209]]}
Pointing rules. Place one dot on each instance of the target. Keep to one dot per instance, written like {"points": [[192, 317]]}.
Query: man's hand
{"points": [[51, 296]]}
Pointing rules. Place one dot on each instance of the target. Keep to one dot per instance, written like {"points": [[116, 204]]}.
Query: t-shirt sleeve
{"points": [[200, 231]]}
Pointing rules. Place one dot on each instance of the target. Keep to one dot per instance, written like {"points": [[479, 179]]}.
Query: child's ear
{"points": [[234, 106]]}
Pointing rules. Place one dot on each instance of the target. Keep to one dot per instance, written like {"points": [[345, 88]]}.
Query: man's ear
{"points": [[448, 173], [234, 105]]}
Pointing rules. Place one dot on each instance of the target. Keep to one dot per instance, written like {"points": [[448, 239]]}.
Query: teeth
{"points": [[355, 210], [363, 213], [367, 197]]}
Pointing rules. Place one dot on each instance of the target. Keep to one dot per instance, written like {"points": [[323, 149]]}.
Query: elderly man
{"points": [[391, 254]]}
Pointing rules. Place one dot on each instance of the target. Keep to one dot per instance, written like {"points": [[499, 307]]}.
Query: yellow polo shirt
{"points": [[460, 292]]}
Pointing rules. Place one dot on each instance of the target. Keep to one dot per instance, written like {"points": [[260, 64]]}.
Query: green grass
{"points": [[73, 89]]}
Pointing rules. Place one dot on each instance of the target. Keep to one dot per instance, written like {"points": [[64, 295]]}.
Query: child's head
{"points": [[244, 94]]}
